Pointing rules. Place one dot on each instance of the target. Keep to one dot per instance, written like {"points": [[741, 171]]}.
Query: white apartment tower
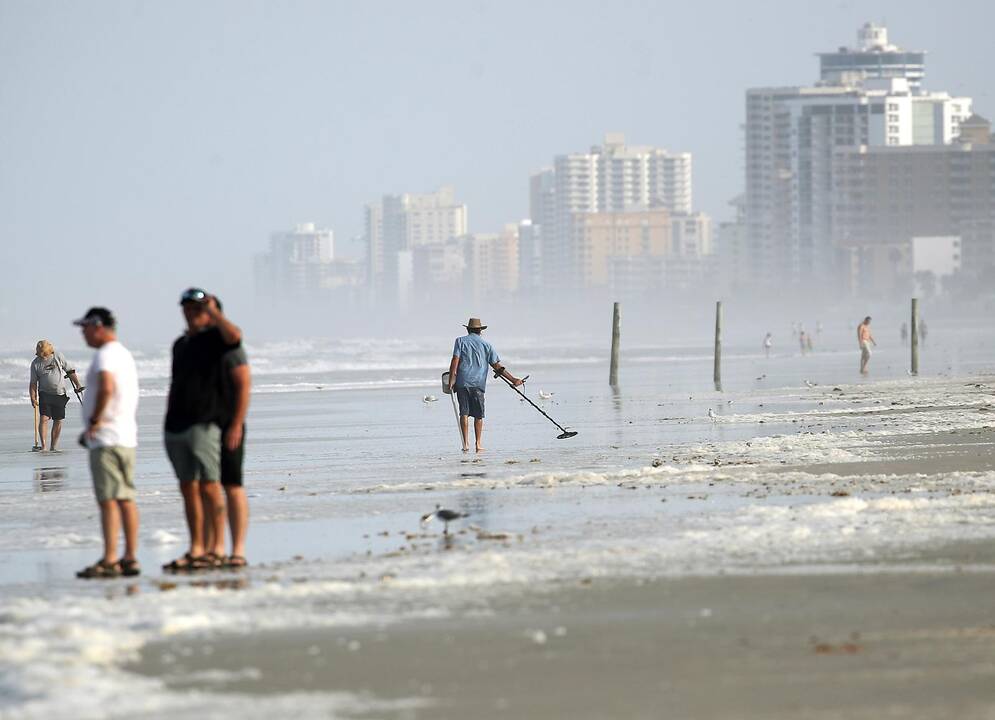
{"points": [[397, 225], [870, 96], [613, 177]]}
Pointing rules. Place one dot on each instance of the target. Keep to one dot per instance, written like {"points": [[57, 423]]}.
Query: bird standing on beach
{"points": [[444, 515]]}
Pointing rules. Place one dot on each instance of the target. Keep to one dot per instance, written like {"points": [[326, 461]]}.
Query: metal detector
{"points": [[564, 434]]}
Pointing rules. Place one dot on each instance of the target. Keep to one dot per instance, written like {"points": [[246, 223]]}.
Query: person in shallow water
{"points": [[111, 435], [865, 339], [468, 377], [194, 411], [47, 389]]}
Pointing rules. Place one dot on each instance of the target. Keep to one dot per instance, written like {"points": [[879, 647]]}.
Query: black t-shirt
{"points": [[195, 393]]}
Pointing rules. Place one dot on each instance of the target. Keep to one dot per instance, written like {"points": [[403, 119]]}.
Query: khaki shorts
{"points": [[196, 453], [113, 470]]}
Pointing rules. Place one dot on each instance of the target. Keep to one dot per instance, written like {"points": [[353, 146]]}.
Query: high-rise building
{"points": [[492, 264], [301, 266], [791, 135], [611, 178], [894, 203], [398, 224]]}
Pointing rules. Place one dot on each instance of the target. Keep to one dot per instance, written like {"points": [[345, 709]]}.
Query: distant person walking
{"points": [[768, 344], [803, 341], [194, 411], [865, 339], [109, 415], [468, 377], [47, 389]]}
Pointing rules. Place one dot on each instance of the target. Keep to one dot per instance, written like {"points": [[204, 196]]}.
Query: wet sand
{"points": [[854, 645], [909, 635]]}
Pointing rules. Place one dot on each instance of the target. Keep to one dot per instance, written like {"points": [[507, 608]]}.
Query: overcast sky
{"points": [[146, 146]]}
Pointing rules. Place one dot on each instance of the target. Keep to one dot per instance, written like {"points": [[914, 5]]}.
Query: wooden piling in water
{"points": [[914, 327], [717, 370], [616, 333]]}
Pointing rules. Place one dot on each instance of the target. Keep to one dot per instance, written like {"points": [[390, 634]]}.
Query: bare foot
{"points": [[480, 449]]}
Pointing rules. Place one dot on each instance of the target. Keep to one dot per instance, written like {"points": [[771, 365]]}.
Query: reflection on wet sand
{"points": [[50, 479], [238, 583]]}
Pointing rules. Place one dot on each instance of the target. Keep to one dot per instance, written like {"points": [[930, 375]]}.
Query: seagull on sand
{"points": [[545, 395], [429, 398], [711, 415], [444, 515]]}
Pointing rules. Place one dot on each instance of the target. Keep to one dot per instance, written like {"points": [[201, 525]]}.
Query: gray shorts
{"points": [[195, 453], [471, 402], [113, 470]]}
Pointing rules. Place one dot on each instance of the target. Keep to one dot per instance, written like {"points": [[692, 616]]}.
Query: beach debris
{"points": [[443, 515], [282, 488], [657, 462], [485, 535], [810, 384], [839, 493], [711, 415], [429, 399], [846, 648]]}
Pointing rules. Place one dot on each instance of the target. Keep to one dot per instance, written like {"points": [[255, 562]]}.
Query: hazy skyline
{"points": [[150, 146]]}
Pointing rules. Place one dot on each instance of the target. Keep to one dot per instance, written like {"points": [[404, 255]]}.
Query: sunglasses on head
{"points": [[193, 295]]}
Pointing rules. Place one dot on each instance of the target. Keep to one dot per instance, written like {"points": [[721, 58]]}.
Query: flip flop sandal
{"points": [[100, 569], [235, 562], [130, 568]]}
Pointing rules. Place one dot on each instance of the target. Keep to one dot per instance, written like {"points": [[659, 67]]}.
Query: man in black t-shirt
{"points": [[194, 411]]}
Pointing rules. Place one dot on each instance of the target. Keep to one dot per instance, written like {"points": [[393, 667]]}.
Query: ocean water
{"points": [[344, 456]]}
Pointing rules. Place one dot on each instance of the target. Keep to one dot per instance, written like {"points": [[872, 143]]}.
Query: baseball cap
{"points": [[193, 295], [99, 316]]}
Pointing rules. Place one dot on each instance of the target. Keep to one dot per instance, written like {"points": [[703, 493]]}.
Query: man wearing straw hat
{"points": [[47, 389], [468, 377]]}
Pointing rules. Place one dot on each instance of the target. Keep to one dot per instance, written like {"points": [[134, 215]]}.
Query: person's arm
{"points": [[105, 389], [501, 371], [74, 379], [33, 389], [230, 332], [241, 379], [454, 365]]}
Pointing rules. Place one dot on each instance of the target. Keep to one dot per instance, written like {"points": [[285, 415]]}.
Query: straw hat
{"points": [[474, 324]]}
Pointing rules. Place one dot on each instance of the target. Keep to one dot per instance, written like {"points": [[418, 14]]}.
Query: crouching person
{"points": [[109, 410]]}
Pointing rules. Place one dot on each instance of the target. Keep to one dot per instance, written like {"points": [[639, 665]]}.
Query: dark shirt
{"points": [[195, 392]]}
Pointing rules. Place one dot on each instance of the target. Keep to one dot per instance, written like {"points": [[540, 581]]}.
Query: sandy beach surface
{"points": [[821, 547]]}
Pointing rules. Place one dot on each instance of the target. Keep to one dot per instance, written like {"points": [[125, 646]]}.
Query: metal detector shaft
{"points": [[526, 398]]}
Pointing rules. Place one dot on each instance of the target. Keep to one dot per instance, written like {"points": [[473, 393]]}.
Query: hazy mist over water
{"points": [[147, 147]]}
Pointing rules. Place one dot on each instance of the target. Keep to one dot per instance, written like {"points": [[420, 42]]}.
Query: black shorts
{"points": [[471, 402], [231, 462], [53, 406]]}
